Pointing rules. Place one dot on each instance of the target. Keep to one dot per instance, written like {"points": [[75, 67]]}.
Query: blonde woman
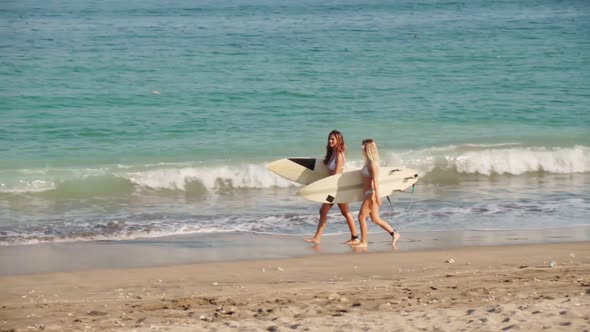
{"points": [[372, 200], [335, 160]]}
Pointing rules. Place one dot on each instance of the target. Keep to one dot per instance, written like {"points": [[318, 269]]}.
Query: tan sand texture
{"points": [[511, 288]]}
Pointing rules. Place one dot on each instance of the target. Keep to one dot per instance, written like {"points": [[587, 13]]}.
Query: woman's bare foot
{"points": [[312, 240], [360, 245], [394, 239], [353, 241]]}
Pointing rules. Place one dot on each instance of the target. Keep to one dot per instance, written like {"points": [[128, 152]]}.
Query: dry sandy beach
{"points": [[532, 287]]}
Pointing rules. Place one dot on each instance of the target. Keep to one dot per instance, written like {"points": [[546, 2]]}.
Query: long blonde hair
{"points": [[370, 151]]}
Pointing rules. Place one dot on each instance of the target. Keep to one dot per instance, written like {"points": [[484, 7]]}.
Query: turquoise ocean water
{"points": [[132, 119]]}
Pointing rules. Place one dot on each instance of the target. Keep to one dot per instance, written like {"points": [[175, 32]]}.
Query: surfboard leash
{"points": [[411, 201], [402, 191]]}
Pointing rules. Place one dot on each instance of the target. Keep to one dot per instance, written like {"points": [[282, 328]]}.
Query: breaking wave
{"points": [[495, 160], [435, 164]]}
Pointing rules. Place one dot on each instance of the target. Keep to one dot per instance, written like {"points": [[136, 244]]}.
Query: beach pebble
{"points": [[552, 264], [226, 311], [205, 318], [450, 261], [280, 269]]}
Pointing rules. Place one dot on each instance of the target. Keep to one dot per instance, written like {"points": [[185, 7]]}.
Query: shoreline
{"points": [[236, 247], [525, 287]]}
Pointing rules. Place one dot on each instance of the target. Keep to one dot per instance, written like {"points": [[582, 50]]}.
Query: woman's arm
{"points": [[374, 170], [339, 163]]}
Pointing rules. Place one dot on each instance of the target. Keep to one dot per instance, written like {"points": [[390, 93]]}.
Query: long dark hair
{"points": [[340, 145]]}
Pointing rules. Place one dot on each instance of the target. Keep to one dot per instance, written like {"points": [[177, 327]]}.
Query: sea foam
{"points": [[486, 160], [436, 163], [211, 178]]}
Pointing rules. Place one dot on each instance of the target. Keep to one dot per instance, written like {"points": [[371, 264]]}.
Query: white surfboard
{"points": [[301, 170], [347, 187]]}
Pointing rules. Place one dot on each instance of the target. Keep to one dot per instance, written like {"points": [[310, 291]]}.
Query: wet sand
{"points": [[529, 287], [202, 248]]}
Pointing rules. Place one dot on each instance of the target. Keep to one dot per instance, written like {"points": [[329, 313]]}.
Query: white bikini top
{"points": [[365, 172], [332, 162]]}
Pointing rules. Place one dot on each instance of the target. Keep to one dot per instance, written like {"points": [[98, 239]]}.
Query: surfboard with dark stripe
{"points": [[301, 170]]}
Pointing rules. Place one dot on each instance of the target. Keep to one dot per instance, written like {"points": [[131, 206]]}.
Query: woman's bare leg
{"points": [[385, 225], [350, 221], [363, 213], [321, 224]]}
